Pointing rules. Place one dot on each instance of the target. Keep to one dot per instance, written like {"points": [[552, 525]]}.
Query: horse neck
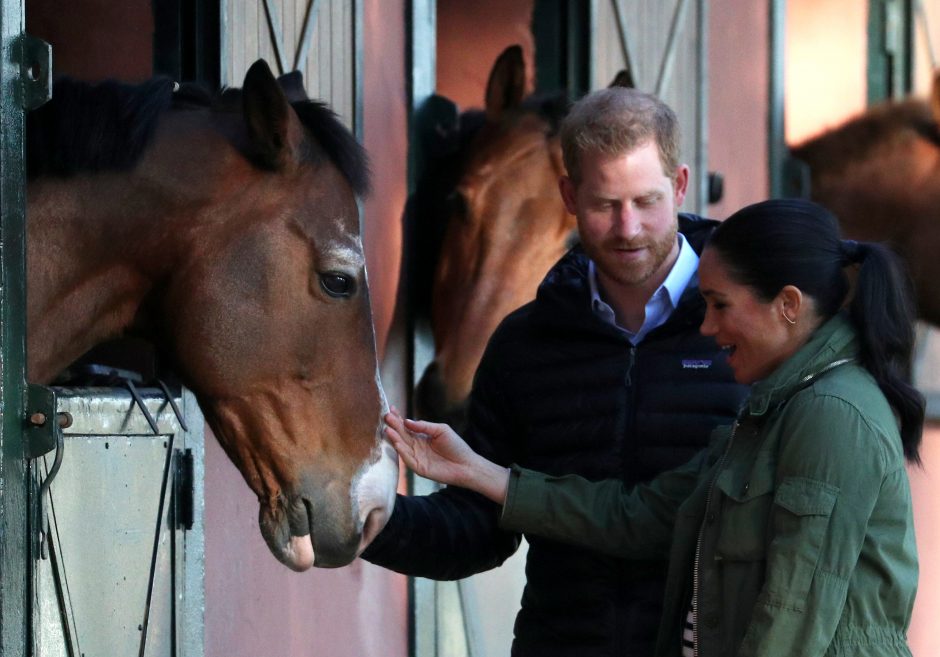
{"points": [[87, 273]]}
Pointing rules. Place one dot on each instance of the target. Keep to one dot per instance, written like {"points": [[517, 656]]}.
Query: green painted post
{"points": [[14, 536]]}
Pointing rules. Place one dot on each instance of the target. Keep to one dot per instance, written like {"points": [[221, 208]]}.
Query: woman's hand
{"points": [[436, 451]]}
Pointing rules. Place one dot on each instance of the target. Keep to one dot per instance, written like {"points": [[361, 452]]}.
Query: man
{"points": [[604, 375]]}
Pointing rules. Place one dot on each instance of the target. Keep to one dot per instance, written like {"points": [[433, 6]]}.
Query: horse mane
{"points": [[107, 126], [94, 127], [853, 140]]}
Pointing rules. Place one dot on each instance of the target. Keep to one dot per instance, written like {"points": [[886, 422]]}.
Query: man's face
{"points": [[627, 213]]}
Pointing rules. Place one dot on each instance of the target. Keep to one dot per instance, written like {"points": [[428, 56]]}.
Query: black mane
{"points": [[94, 127], [106, 126]]}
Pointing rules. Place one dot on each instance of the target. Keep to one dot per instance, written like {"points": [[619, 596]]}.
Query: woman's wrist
{"points": [[488, 479]]}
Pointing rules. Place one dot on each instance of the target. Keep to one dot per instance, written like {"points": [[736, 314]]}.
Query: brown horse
{"points": [[507, 225], [225, 230], [880, 174]]}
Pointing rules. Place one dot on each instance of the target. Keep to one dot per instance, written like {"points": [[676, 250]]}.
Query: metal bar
{"points": [[669, 56], [629, 60], [164, 486], [310, 20], [61, 582], [274, 27], [358, 72], [15, 538], [776, 135], [422, 78], [701, 110]]}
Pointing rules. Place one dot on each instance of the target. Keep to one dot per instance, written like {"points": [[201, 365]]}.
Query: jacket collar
{"points": [[833, 344]]}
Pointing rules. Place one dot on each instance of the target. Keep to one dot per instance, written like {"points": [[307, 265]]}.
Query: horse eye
{"points": [[337, 285]]}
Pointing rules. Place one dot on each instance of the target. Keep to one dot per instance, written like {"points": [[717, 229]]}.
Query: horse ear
{"points": [[275, 134], [624, 79], [506, 86], [292, 84]]}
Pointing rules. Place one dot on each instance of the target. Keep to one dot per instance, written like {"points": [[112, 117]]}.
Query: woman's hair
{"points": [[775, 243]]}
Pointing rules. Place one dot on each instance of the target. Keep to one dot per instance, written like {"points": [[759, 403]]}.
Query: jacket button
{"points": [[710, 517], [746, 486]]}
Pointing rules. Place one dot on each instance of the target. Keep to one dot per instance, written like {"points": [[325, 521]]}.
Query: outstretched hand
{"points": [[435, 451]]}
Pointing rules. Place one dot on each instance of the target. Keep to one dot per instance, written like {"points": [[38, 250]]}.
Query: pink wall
{"points": [[470, 36], [924, 634], [255, 606], [737, 102]]}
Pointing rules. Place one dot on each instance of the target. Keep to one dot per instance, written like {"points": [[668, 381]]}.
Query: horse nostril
{"points": [[374, 522]]}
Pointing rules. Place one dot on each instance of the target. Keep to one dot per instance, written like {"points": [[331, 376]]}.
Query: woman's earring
{"points": [[792, 321]]}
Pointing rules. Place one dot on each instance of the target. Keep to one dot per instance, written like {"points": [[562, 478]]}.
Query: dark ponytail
{"points": [[776, 243], [882, 311]]}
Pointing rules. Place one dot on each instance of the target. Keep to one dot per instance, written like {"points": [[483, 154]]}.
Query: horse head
{"points": [[240, 255], [506, 226]]}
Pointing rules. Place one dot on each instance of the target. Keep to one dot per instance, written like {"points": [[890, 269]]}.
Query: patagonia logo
{"points": [[695, 364]]}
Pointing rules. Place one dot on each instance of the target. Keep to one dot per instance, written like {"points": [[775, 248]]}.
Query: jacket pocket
{"points": [[745, 512], [802, 508]]}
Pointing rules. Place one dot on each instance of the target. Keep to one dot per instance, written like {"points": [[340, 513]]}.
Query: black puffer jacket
{"points": [[560, 391]]}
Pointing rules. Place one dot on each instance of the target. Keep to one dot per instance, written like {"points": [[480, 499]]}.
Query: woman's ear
{"points": [[791, 302]]}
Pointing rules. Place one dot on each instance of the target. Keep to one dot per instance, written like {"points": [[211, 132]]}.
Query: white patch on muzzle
{"points": [[375, 485]]}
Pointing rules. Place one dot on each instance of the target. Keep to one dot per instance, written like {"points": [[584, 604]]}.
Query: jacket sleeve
{"points": [[607, 516], [454, 533], [832, 466]]}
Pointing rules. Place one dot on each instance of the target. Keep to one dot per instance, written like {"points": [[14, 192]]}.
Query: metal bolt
{"points": [[37, 419], [65, 420]]}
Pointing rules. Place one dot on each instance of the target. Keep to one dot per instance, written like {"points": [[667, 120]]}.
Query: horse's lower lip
{"points": [[299, 554]]}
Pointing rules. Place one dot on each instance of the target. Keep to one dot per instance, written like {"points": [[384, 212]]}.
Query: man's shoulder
{"points": [[696, 229]]}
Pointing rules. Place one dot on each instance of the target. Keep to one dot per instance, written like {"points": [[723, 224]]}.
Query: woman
{"points": [[792, 534]]}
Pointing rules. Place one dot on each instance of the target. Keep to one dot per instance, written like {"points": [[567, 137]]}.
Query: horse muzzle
{"points": [[332, 526]]}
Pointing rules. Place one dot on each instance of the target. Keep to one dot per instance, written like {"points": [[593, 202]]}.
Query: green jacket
{"points": [[800, 514]]}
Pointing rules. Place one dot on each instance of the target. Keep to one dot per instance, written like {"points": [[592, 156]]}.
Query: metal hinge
{"points": [[36, 66], [43, 434], [183, 493]]}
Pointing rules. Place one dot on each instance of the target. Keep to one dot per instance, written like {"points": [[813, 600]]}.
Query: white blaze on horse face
{"points": [[373, 490]]}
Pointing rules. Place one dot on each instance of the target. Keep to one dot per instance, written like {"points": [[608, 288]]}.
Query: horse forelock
{"points": [[336, 143]]}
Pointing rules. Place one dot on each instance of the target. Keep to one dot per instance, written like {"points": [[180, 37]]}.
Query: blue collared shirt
{"points": [[664, 300]]}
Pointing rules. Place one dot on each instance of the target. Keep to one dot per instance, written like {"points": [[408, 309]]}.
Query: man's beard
{"points": [[634, 273]]}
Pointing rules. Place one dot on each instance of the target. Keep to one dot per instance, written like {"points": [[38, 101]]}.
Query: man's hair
{"points": [[617, 120]]}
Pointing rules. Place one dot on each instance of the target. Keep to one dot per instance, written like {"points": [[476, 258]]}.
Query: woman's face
{"points": [[755, 332]]}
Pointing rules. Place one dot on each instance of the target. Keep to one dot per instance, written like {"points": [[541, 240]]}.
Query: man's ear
{"points": [[568, 191], [680, 183]]}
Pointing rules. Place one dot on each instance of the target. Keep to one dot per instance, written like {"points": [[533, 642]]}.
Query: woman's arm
{"points": [[606, 516]]}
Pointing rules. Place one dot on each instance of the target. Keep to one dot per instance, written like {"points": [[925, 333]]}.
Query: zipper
{"points": [[628, 379], [701, 534]]}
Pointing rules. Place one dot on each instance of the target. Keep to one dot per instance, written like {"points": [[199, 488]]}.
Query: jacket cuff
{"points": [[524, 498]]}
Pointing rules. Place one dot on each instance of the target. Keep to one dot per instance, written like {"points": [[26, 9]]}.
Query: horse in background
{"points": [[504, 225], [880, 174], [226, 231]]}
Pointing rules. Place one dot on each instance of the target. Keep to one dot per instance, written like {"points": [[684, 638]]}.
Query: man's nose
{"points": [[627, 224]]}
